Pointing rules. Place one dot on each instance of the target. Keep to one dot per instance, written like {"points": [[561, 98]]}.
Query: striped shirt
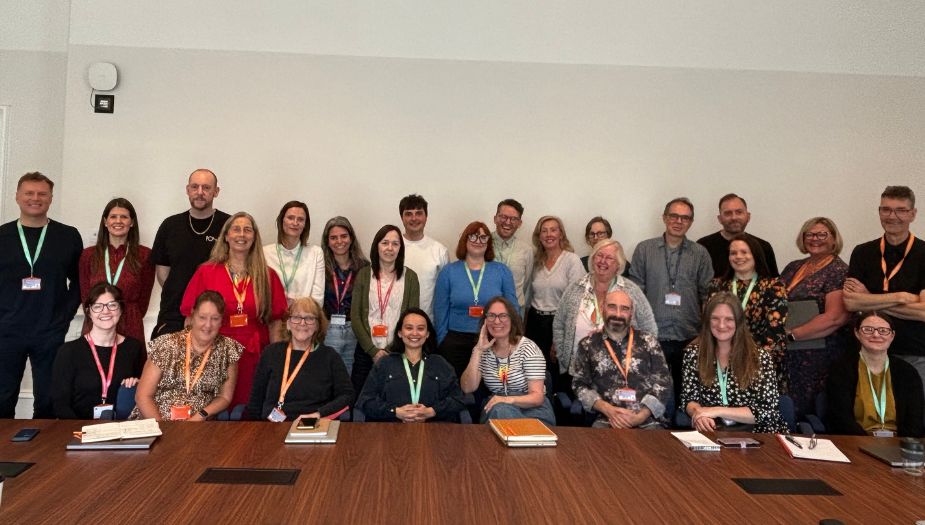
{"points": [[526, 363]]}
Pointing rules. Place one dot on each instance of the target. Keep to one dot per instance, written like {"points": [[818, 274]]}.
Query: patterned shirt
{"points": [[526, 363]]}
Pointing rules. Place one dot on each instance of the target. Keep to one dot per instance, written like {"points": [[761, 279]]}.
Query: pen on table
{"points": [[795, 442]]}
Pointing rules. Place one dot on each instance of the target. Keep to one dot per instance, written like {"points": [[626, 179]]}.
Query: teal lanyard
{"points": [[287, 279], [25, 247], [109, 278], [415, 389], [722, 377], [879, 401], [475, 286], [748, 292]]}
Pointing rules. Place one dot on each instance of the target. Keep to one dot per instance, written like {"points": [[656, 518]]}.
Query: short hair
{"points": [[311, 307], [604, 243], [210, 172], [729, 197], [430, 344], [374, 250], [513, 204], [517, 322], [35, 176], [474, 227], [303, 239], [210, 296], [601, 220], [874, 313], [761, 262], [899, 192], [97, 290], [833, 231], [412, 202], [682, 200]]}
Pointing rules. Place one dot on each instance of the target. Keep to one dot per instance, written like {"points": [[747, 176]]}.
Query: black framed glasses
{"points": [[816, 235], [882, 330], [478, 239], [112, 306], [308, 319]]}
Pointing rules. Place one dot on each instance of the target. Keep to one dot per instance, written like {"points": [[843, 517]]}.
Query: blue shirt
{"points": [[453, 295]]}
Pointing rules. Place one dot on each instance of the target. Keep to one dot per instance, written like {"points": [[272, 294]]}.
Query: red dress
{"points": [[135, 286], [255, 335]]}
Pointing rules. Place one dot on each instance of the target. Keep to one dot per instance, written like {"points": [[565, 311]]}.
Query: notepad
{"points": [[122, 430], [324, 433], [696, 441], [825, 450], [523, 432]]}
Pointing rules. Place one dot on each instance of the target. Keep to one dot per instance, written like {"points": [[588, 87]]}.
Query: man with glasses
{"points": [[39, 294], [509, 250], [734, 217], [674, 272], [620, 372], [888, 274]]}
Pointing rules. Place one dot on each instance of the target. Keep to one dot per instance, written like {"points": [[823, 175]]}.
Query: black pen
{"points": [[795, 442]]}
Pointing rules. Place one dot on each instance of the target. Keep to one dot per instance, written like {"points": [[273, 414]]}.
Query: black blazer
{"points": [[841, 390]]}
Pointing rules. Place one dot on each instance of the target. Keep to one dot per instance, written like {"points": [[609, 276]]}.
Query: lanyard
{"points": [[886, 278], [673, 281], [475, 286], [748, 293], [105, 379], [239, 288], [504, 371], [388, 293], [25, 247], [722, 377], [415, 389], [287, 378], [625, 368], [879, 401], [808, 269], [109, 278], [186, 369], [287, 280], [340, 297]]}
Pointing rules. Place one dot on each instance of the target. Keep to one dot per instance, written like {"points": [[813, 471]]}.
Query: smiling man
{"points": [[510, 250], [39, 293], [423, 254], [182, 243], [734, 217]]}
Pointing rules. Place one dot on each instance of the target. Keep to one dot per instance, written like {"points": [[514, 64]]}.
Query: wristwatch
{"points": [[204, 414]]}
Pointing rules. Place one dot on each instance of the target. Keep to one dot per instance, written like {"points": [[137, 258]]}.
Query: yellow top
{"points": [[865, 412]]}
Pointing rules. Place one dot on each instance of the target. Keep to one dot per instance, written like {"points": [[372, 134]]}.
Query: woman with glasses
{"points": [[300, 376], [815, 342], [598, 229], [463, 289], [88, 371], [510, 365], [870, 393]]}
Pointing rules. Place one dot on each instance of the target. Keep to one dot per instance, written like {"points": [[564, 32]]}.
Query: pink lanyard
{"points": [[106, 379]]}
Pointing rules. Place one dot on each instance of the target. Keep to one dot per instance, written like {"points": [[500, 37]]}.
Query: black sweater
{"points": [[76, 384]]}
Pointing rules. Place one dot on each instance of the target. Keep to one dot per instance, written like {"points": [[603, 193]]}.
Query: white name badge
{"points": [[339, 320], [626, 395], [99, 409], [883, 433], [277, 416], [673, 299], [31, 284]]}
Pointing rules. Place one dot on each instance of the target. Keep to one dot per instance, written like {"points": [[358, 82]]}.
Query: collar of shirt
{"points": [[685, 242], [501, 243]]}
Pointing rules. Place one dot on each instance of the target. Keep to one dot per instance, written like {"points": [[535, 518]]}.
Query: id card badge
{"points": [[180, 412], [476, 311], [883, 433], [277, 415], [237, 320], [626, 395], [339, 320], [99, 409], [673, 299], [31, 284], [380, 330]]}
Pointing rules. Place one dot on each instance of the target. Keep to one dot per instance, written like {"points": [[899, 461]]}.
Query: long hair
{"points": [[517, 322], [374, 250], [743, 358], [357, 259], [429, 346], [131, 240], [539, 257], [303, 239], [256, 265]]}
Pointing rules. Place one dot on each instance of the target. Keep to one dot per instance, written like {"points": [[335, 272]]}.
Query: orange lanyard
{"points": [[625, 368], [239, 288], [202, 364], [886, 278], [287, 378], [808, 269]]}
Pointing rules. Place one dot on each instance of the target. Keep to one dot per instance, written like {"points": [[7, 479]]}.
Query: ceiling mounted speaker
{"points": [[103, 76]]}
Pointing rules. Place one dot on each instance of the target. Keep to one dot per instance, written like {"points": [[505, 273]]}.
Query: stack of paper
{"points": [[696, 441], [525, 432], [324, 432], [122, 430], [824, 450]]}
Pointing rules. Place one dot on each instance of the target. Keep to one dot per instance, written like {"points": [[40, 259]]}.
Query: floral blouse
{"points": [[761, 397]]}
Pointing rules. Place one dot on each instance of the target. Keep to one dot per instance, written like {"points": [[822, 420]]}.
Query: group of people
{"points": [[706, 329]]}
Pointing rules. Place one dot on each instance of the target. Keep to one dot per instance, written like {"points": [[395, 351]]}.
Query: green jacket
{"points": [[359, 307]]}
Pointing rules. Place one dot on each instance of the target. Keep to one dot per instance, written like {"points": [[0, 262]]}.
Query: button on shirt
{"points": [[518, 257]]}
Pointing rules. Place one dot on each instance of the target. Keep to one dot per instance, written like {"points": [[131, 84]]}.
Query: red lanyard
{"points": [[383, 304], [339, 297], [186, 369], [625, 368], [106, 379], [886, 279]]}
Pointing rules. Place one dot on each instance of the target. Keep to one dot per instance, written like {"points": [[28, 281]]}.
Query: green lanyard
{"points": [[879, 401], [287, 280], [415, 389], [109, 278], [748, 293], [722, 377], [25, 247], [475, 287]]}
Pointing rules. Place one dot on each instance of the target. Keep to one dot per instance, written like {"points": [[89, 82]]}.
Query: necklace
{"points": [[190, 217]]}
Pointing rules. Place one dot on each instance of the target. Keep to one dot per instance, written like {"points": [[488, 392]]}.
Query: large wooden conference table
{"points": [[436, 473]]}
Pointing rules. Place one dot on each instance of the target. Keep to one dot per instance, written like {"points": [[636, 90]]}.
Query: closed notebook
{"points": [[324, 433], [696, 441], [524, 432]]}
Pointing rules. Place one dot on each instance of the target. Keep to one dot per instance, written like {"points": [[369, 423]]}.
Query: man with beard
{"points": [[621, 372], [183, 242], [734, 217]]}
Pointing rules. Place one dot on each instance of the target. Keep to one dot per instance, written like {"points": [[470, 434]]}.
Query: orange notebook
{"points": [[526, 432]]}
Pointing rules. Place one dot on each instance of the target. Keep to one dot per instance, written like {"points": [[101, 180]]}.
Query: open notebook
{"points": [[824, 450]]}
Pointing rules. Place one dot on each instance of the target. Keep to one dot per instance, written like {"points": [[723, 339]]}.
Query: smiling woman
{"points": [[299, 264]]}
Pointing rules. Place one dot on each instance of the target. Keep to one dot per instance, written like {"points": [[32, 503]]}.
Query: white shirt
{"points": [[426, 257], [309, 276], [392, 308], [550, 284]]}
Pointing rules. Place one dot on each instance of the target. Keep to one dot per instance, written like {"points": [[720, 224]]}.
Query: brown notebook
{"points": [[526, 432]]}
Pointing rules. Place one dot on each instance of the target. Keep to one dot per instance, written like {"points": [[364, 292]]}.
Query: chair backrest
{"points": [[125, 402], [788, 412]]}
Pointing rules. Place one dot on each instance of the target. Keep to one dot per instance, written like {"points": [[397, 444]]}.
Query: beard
{"points": [[617, 324]]}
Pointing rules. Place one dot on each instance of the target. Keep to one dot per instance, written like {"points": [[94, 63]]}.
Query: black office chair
{"points": [[125, 403]]}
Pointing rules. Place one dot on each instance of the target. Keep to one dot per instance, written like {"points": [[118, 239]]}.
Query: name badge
{"points": [[31, 284], [673, 299], [237, 320], [338, 320], [277, 415], [476, 311], [180, 412], [380, 330], [883, 433], [626, 395], [99, 409]]}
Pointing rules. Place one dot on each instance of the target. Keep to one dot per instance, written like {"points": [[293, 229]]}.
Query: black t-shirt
{"points": [[718, 247], [76, 382], [865, 267], [177, 246]]}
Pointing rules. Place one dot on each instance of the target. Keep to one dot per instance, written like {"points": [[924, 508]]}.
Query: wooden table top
{"points": [[436, 473]]}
